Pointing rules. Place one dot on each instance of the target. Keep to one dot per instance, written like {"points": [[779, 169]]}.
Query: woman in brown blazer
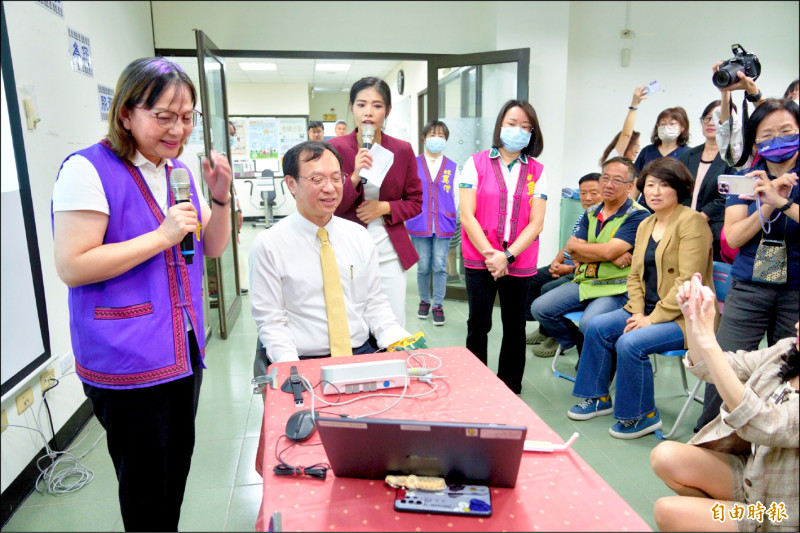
{"points": [[671, 245]]}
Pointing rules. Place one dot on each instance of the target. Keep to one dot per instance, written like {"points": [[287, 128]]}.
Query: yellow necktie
{"points": [[338, 331]]}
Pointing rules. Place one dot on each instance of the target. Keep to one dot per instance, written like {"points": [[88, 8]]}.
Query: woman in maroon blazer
{"points": [[381, 207]]}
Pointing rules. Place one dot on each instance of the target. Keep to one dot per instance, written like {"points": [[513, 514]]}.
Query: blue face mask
{"points": [[435, 144], [514, 139], [779, 149]]}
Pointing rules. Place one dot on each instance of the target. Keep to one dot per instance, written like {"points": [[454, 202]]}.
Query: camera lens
{"points": [[721, 79]]}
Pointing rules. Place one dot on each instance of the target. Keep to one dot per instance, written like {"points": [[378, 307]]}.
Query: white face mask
{"points": [[668, 133]]}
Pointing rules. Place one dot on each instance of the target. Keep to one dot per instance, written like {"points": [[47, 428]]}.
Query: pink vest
{"points": [[490, 211]]}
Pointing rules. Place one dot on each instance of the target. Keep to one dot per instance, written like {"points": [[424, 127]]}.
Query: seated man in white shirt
{"points": [[286, 283]]}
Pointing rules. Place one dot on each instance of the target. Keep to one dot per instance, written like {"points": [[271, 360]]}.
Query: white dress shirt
{"points": [[286, 294]]}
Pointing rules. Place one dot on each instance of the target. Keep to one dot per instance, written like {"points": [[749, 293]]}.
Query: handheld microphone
{"points": [[367, 135], [181, 185]]}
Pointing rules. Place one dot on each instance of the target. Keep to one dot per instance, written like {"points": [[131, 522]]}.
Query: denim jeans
{"points": [[549, 309], [604, 341], [432, 253], [481, 292]]}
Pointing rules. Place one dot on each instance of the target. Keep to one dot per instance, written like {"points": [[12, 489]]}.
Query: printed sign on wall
{"points": [[105, 95], [80, 52], [56, 6]]}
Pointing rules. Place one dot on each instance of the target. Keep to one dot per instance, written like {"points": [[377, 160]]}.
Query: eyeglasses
{"points": [[665, 124], [318, 180], [769, 135], [616, 181], [706, 120], [167, 119]]}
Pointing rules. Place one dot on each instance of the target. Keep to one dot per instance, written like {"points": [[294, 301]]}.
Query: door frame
{"points": [[228, 312]]}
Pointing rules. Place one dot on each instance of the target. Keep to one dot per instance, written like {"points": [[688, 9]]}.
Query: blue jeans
{"points": [[604, 340], [549, 309], [432, 258]]}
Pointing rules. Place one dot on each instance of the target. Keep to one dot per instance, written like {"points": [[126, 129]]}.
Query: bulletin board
{"points": [[268, 138]]}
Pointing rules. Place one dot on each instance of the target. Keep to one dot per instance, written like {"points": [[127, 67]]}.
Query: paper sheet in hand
{"points": [[382, 160]]}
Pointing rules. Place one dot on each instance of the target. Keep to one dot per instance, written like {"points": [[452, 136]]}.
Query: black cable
{"points": [[49, 415], [318, 470], [52, 428]]}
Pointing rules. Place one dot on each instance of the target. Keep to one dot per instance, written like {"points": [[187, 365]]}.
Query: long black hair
{"points": [[790, 365], [761, 112]]}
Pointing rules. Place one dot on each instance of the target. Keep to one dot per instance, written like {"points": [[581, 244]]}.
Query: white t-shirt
{"points": [[469, 179], [78, 187]]}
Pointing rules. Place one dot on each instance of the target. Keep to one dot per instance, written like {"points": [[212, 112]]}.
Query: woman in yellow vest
{"points": [[671, 245]]}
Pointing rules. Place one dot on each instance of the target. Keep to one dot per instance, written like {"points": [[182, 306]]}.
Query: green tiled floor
{"points": [[224, 492]]}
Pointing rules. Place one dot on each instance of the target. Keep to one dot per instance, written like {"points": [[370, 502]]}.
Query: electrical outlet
{"points": [[66, 363], [3, 420], [24, 400], [48, 379]]}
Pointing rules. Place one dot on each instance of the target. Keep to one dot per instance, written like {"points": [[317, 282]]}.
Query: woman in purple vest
{"points": [[432, 229], [502, 195], [135, 300]]}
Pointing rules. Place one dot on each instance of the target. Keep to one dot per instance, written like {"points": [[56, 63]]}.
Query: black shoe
{"points": [[438, 315], [424, 309]]}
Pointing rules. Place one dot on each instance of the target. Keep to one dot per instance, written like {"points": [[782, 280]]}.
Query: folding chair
{"points": [[575, 316]]}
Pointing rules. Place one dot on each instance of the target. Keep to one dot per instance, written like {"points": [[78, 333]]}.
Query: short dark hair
{"points": [[536, 144], [634, 137], [672, 172], [761, 112], [592, 176], [792, 87], [232, 125], [371, 81], [142, 83], [303, 153], [679, 114], [625, 161], [432, 125], [315, 124]]}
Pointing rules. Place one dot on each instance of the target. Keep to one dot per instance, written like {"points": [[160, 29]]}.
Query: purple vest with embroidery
{"points": [[129, 331], [437, 201], [490, 211]]}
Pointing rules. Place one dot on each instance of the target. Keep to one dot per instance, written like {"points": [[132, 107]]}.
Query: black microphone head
{"points": [[181, 184], [367, 135]]}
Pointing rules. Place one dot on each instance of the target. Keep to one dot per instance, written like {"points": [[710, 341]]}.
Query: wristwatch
{"points": [[785, 206], [509, 256], [753, 97]]}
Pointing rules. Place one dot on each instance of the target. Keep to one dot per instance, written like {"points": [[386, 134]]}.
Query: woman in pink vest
{"points": [[502, 195]]}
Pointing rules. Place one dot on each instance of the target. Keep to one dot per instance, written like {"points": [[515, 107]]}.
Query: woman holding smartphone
{"points": [[382, 205], [763, 296]]}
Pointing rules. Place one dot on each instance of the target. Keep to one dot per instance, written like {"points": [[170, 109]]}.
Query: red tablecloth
{"points": [[554, 492]]}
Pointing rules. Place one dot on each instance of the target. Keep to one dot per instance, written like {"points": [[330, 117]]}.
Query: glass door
{"points": [[466, 92], [222, 273]]}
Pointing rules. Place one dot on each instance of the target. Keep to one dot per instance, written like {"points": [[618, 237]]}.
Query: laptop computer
{"points": [[466, 453]]}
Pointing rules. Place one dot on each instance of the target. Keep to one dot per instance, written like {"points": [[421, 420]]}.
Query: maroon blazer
{"points": [[401, 188]]}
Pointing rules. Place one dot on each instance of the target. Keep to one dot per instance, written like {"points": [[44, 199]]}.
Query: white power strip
{"points": [[363, 377]]}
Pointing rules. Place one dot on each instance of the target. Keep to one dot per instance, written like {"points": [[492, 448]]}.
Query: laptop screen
{"points": [[371, 448]]}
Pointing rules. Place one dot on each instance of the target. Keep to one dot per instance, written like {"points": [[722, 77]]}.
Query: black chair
{"points": [[265, 186]]}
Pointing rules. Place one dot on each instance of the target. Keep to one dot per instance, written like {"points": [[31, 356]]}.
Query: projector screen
{"points": [[25, 338]]}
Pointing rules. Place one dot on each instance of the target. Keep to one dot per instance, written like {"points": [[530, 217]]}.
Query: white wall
{"points": [[323, 102], [429, 27], [268, 99], [416, 79], [67, 104]]}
